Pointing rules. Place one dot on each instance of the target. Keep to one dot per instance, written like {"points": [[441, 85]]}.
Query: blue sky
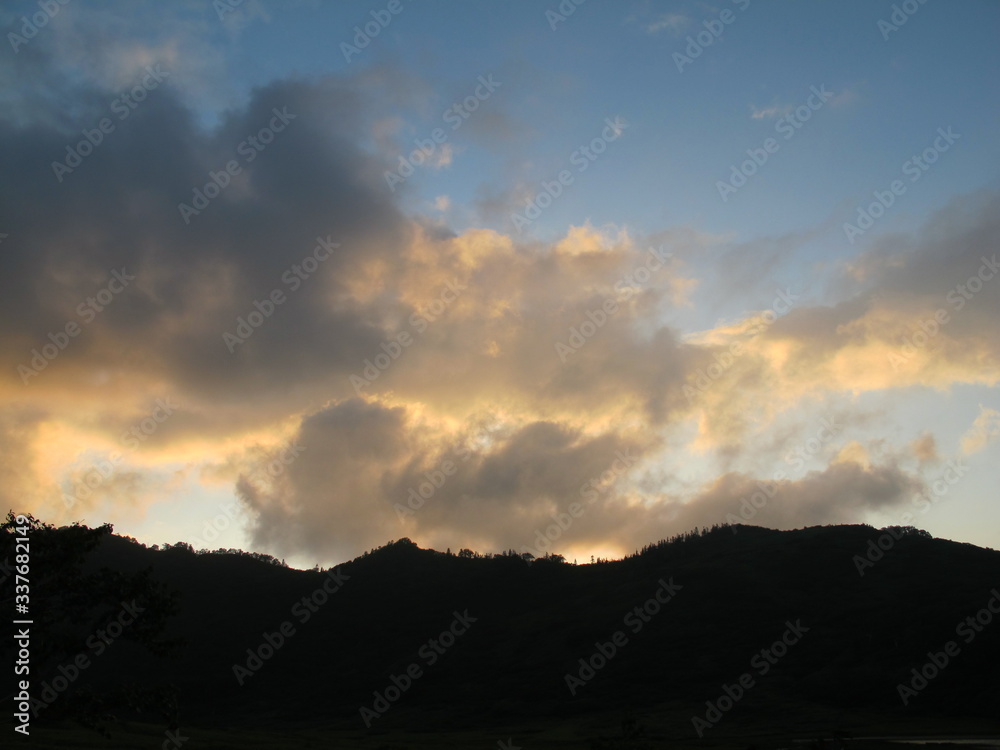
{"points": [[685, 126], [837, 102]]}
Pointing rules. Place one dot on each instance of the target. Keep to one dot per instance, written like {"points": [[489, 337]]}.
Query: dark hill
{"points": [[730, 593]]}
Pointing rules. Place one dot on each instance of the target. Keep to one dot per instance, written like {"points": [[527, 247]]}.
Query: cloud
{"points": [[925, 448], [107, 47], [909, 323], [984, 430], [843, 98], [327, 501], [775, 110], [368, 472], [119, 210], [843, 492], [846, 97], [673, 22]]}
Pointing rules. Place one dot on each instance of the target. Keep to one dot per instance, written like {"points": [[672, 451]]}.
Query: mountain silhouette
{"points": [[822, 625]]}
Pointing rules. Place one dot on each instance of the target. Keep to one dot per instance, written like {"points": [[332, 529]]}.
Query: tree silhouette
{"points": [[69, 603]]}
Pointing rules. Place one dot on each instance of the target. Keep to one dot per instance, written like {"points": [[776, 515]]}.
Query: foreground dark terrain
{"points": [[743, 635]]}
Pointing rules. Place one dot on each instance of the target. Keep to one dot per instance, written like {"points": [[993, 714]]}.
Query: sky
{"points": [[304, 278]]}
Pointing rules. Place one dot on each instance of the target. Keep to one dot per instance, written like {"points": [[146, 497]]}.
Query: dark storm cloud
{"points": [[366, 472], [119, 209]]}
